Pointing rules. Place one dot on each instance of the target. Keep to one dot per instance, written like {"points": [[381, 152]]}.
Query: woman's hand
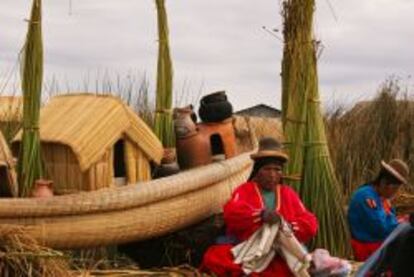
{"points": [[295, 226], [271, 217]]}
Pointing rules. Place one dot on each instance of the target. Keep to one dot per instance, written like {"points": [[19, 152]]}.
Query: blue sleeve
{"points": [[378, 223]]}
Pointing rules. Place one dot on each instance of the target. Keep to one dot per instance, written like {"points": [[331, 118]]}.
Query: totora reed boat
{"points": [[129, 213]]}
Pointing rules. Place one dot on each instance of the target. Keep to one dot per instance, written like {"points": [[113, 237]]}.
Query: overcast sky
{"points": [[217, 44]]}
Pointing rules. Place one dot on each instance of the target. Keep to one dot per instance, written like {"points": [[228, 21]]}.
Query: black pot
{"points": [[215, 97], [215, 112], [165, 170]]}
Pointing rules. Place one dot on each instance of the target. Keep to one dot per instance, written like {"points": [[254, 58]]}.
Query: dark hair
{"points": [[259, 163], [387, 177]]}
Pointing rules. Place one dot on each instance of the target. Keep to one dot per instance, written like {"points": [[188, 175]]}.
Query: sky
{"points": [[215, 45]]}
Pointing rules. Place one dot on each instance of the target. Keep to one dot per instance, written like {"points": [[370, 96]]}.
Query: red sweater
{"points": [[242, 218]]}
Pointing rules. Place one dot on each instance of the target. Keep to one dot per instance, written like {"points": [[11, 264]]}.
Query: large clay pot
{"points": [[43, 188], [184, 124], [193, 151], [223, 131]]}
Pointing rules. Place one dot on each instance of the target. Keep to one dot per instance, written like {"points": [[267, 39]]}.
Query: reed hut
{"points": [[11, 112], [8, 177], [91, 141]]}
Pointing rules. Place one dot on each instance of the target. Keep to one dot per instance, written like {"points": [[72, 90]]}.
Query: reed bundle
{"points": [[21, 255], [296, 80], [320, 188], [30, 164], [163, 125], [305, 131]]}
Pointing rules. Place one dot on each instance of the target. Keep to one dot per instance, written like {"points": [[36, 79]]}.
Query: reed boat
{"points": [[80, 154], [130, 213]]}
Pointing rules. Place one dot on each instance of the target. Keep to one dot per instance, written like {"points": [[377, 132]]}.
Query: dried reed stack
{"points": [[305, 130], [21, 255], [320, 182], [163, 113], [30, 165], [372, 131]]}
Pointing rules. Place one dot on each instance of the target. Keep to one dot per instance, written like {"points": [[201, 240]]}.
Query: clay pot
{"points": [[193, 151], [215, 112], [221, 133], [184, 124], [43, 188]]}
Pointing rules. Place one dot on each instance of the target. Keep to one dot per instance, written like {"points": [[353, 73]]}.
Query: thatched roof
{"points": [[11, 108], [90, 124]]}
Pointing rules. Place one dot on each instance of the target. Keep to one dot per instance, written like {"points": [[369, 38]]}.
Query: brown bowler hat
{"points": [[398, 169], [269, 147]]}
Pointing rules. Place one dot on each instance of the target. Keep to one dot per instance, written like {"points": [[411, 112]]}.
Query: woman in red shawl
{"points": [[262, 199]]}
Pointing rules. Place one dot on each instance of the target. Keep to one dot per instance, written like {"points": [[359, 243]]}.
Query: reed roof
{"points": [[11, 108], [91, 124]]}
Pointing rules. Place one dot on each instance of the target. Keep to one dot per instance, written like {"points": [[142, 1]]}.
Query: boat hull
{"points": [[132, 213]]}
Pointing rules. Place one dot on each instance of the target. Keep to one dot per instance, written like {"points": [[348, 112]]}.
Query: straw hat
{"points": [[398, 169], [269, 147]]}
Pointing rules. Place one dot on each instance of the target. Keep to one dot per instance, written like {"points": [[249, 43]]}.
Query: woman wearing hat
{"points": [[370, 215], [262, 199]]}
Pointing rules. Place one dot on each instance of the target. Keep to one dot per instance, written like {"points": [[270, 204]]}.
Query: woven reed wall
{"points": [[138, 167], [100, 174], [62, 166]]}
